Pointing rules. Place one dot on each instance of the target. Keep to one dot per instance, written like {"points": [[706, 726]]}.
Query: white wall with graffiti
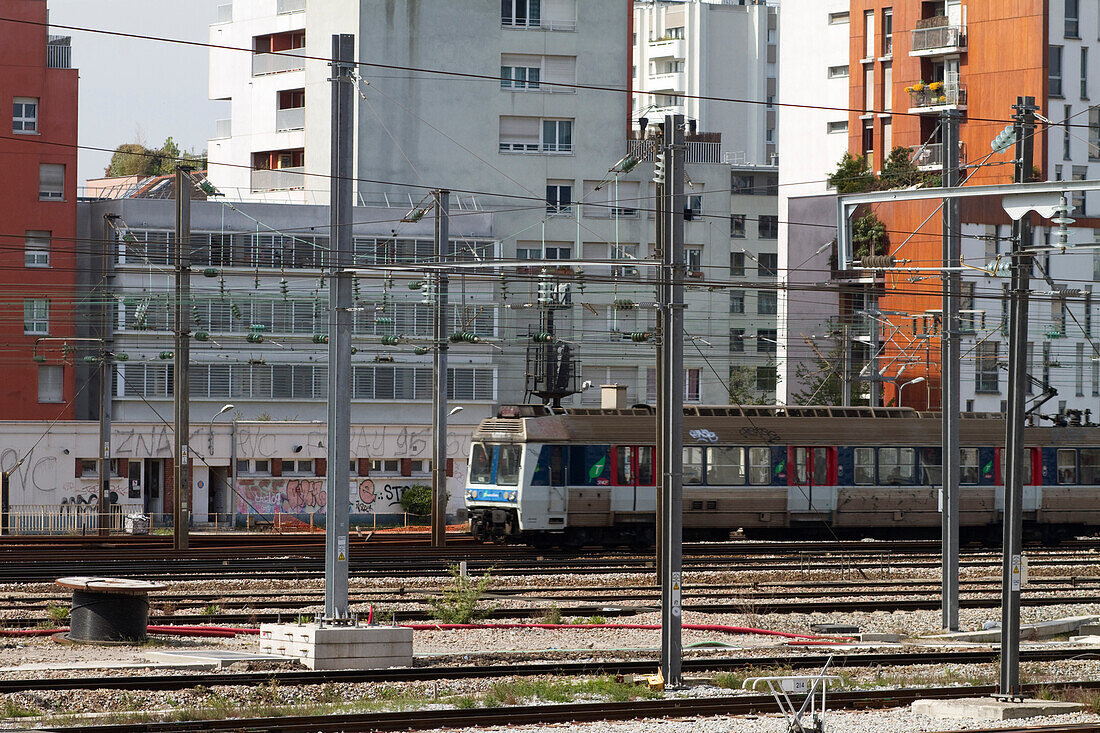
{"points": [[239, 468]]}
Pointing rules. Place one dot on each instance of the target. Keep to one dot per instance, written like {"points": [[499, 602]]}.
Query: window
{"points": [[760, 466], [37, 249], [1068, 112], [836, 127], [559, 253], [1072, 19], [677, 32], [387, 465], [768, 226], [36, 315], [766, 378], [896, 465], [559, 198], [694, 207], [481, 464], [1067, 466], [519, 134], [1077, 198], [737, 226], [968, 465], [260, 466], [766, 340], [986, 374], [693, 465], [528, 253], [557, 136], [1094, 133], [864, 465], [726, 466], [51, 383], [838, 18], [931, 466], [24, 115], [691, 385], [520, 13], [868, 34], [838, 72], [1054, 71], [51, 182], [737, 301], [1084, 72], [887, 31], [768, 264], [767, 303], [508, 465], [868, 140], [519, 77], [743, 184], [298, 467], [737, 340], [1090, 466], [694, 257], [737, 264]]}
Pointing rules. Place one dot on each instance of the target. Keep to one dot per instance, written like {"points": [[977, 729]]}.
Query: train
{"points": [[569, 477]]}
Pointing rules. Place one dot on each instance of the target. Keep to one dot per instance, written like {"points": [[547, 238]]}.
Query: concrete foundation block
{"points": [[339, 647], [883, 638], [988, 708], [1041, 630]]}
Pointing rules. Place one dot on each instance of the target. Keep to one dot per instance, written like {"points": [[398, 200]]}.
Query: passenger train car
{"points": [[578, 476]]}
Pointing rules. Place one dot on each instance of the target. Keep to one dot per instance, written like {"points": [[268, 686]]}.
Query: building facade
{"points": [[38, 207]]}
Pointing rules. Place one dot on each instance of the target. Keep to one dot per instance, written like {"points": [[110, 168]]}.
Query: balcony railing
{"points": [[277, 63], [940, 39], [666, 47], [697, 152], [225, 13], [281, 179], [930, 156], [293, 118], [539, 24], [937, 95], [59, 54], [291, 6], [223, 128]]}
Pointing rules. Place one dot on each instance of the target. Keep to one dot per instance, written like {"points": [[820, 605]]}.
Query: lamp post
{"points": [[210, 435], [911, 381]]}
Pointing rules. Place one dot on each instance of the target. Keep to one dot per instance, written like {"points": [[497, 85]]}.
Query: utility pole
{"points": [[106, 371], [671, 396], [338, 497], [950, 380], [439, 393], [181, 364], [1017, 397], [661, 242]]}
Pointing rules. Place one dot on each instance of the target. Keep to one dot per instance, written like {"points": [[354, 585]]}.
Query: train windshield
{"points": [[508, 466], [481, 464]]}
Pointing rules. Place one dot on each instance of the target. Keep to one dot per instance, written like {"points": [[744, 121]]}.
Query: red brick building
{"points": [[38, 213]]}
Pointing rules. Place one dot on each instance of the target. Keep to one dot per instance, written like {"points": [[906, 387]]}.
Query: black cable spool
{"points": [[109, 610]]}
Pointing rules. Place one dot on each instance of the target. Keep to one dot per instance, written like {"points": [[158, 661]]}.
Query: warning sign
{"points": [[1016, 572], [674, 605], [342, 549]]}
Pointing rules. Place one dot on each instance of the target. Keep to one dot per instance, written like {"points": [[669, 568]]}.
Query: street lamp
{"points": [[911, 381], [210, 435]]}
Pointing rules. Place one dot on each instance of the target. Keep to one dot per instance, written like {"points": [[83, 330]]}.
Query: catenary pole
{"points": [[338, 499], [106, 372], [1014, 432], [181, 361], [950, 379], [661, 217], [671, 390], [439, 373]]}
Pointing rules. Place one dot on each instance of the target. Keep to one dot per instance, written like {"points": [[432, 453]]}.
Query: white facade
{"points": [[713, 48], [813, 142]]}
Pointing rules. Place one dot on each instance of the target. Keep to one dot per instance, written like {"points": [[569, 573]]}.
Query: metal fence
{"points": [[696, 152], [66, 518], [59, 54]]}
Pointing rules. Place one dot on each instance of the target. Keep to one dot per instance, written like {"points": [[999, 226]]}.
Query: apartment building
{"points": [[687, 49], [38, 207], [908, 63]]}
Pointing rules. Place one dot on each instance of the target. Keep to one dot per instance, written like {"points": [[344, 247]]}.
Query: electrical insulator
{"points": [[427, 293], [640, 337], [416, 284], [878, 261], [284, 287], [254, 338], [542, 338], [354, 350], [383, 320], [624, 304], [211, 272], [208, 188], [165, 355], [421, 350], [257, 328], [660, 167], [235, 310], [1005, 139], [466, 336], [545, 294], [202, 336], [255, 362], [355, 288], [122, 357], [391, 340], [91, 359], [320, 338], [40, 358]]}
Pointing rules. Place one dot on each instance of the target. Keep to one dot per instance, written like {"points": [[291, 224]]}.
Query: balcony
{"points": [[696, 151], [280, 179], [930, 157], [278, 63], [293, 118], [663, 48], [291, 6], [672, 81], [936, 97], [59, 52], [942, 39], [223, 129], [225, 13]]}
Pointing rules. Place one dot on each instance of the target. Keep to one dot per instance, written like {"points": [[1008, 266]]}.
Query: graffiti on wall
{"points": [[366, 441]]}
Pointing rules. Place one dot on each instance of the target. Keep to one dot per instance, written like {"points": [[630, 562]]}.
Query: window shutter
{"points": [[276, 466], [560, 70], [596, 201], [320, 467], [519, 130], [364, 467], [406, 467], [450, 467], [559, 14]]}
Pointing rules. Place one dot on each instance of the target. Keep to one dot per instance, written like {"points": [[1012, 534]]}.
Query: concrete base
{"points": [[339, 647], [213, 658], [1042, 630], [987, 708]]}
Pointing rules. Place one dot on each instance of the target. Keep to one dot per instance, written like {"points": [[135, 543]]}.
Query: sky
{"points": [[135, 90]]}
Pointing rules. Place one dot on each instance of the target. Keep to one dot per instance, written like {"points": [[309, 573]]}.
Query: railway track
{"points": [[427, 674], [558, 714]]}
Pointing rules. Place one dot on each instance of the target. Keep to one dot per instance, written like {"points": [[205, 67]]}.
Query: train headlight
{"points": [[471, 494], [511, 496]]}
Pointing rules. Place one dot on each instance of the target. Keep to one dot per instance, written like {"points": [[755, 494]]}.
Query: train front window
{"points": [[1090, 466], [760, 466], [968, 465], [864, 463], [726, 466], [481, 464], [693, 465], [1067, 466], [895, 465], [508, 466]]}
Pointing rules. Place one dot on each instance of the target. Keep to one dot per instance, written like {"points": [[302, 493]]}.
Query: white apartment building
{"points": [[684, 49], [813, 141]]}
